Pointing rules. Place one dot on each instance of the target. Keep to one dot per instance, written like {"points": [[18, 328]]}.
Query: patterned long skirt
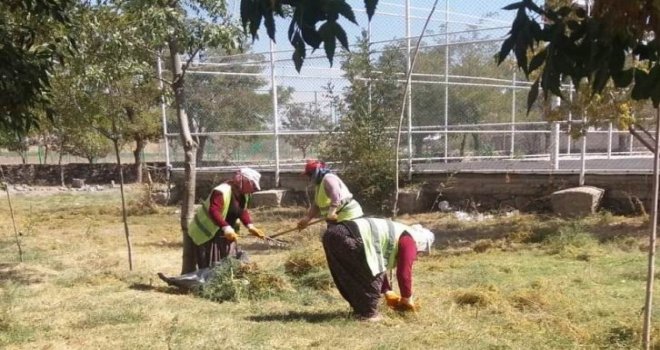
{"points": [[214, 250], [344, 251]]}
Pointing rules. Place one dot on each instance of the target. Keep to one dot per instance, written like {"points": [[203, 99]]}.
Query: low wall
{"points": [[624, 193], [49, 174]]}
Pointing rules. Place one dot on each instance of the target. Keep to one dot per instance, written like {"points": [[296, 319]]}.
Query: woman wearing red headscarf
{"points": [[332, 199]]}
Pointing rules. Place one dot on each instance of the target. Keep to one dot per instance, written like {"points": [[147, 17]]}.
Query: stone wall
{"points": [[49, 174]]}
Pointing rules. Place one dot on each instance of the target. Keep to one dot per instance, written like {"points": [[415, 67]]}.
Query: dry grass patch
{"points": [[74, 290], [307, 266], [478, 296], [529, 300]]}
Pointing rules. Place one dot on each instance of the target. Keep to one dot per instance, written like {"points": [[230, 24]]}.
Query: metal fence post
{"points": [[409, 88], [513, 114], [554, 143], [276, 121], [446, 80]]}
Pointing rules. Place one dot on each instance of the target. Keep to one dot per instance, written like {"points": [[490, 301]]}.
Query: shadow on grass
{"points": [[169, 245], [534, 230], [295, 316], [143, 287], [19, 275]]}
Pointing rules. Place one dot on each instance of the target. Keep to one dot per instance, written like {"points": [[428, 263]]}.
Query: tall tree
{"points": [[184, 28], [227, 102], [369, 110], [34, 36], [15, 142], [304, 116], [615, 45]]}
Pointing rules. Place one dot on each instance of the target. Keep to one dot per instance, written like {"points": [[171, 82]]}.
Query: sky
{"points": [[387, 24]]}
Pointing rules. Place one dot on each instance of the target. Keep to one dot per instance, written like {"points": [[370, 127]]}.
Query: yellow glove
{"points": [[406, 304], [256, 232], [392, 299], [229, 233], [302, 224], [331, 217], [231, 236]]}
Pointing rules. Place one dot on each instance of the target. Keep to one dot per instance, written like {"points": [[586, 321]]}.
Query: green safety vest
{"points": [[381, 242], [202, 228], [347, 211]]}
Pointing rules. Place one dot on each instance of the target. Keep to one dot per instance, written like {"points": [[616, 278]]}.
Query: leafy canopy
{"points": [[566, 42], [34, 36], [303, 29]]}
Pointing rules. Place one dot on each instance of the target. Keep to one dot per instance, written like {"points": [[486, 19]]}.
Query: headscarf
{"points": [[249, 174]]}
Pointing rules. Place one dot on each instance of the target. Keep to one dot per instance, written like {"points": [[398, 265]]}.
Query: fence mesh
{"points": [[463, 106]]}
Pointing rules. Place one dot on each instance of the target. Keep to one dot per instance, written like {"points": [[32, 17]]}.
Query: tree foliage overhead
{"points": [[34, 36], [303, 30], [557, 43]]}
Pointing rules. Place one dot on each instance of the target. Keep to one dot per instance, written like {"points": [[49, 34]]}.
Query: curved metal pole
{"points": [[403, 112]]}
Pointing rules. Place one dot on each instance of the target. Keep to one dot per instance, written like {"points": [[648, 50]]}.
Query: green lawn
{"points": [[537, 283]]}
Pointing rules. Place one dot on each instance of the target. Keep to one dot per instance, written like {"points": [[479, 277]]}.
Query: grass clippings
{"points": [[567, 284]]}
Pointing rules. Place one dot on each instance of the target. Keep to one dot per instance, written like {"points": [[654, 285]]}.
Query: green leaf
{"points": [[532, 95], [269, 23], [341, 36], [623, 78], [370, 6], [640, 90], [246, 10], [345, 10], [327, 31], [533, 7], [538, 60], [311, 37], [601, 76], [299, 52], [513, 6], [507, 45]]}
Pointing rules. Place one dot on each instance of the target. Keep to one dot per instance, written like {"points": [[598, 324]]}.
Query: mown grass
{"points": [[511, 282]]}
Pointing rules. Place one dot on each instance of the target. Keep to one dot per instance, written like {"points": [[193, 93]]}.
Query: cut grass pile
{"points": [[511, 282]]}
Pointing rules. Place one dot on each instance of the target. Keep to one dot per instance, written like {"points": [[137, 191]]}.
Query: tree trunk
{"points": [[200, 148], [463, 139], [650, 275], [90, 160], [477, 144], [140, 144], [123, 205], [59, 162], [189, 148]]}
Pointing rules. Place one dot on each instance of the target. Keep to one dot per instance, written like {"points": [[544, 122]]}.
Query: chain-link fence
{"points": [[461, 105]]}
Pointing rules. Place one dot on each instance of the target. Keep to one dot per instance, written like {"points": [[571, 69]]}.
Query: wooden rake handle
{"points": [[295, 228]]}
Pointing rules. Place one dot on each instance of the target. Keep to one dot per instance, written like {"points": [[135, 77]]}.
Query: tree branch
{"points": [[185, 66], [639, 137]]}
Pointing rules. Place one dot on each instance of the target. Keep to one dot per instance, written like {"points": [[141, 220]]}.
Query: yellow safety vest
{"points": [[349, 210], [202, 228], [381, 242]]}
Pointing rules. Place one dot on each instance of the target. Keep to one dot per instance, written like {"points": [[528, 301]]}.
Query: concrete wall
{"points": [[624, 193], [472, 191]]}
